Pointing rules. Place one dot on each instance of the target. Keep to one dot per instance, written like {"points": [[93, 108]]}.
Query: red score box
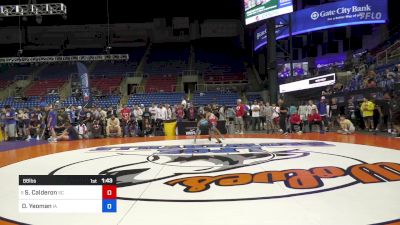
{"points": [[109, 191]]}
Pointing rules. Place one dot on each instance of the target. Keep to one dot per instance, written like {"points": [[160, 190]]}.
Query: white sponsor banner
{"points": [[315, 82]]}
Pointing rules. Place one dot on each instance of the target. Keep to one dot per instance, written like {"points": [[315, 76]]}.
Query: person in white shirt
{"points": [[153, 112], [310, 107], [255, 115], [269, 111], [138, 113], [184, 103], [161, 115], [169, 111], [164, 113], [303, 112], [275, 116]]}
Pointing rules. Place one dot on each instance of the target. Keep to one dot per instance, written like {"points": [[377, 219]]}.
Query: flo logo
{"points": [[314, 15], [230, 172]]}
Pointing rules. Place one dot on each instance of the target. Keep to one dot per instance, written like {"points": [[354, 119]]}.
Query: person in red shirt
{"points": [[125, 117], [296, 121], [212, 121], [240, 112], [180, 113], [315, 118], [191, 113]]}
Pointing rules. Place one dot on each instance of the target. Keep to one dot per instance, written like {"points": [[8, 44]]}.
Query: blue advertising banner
{"points": [[84, 76], [337, 14]]}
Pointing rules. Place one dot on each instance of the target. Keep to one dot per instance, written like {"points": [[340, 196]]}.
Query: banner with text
{"points": [[257, 10], [337, 14]]}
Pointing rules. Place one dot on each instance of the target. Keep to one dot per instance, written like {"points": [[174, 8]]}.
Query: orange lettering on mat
{"points": [[295, 178]]}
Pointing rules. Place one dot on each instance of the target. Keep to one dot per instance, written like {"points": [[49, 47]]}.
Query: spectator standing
{"points": [[334, 113], [10, 123], [303, 112], [52, 123], [269, 119], [153, 111], [367, 110], [283, 113], [255, 116], [239, 115], [323, 110], [138, 113], [125, 117], [263, 115]]}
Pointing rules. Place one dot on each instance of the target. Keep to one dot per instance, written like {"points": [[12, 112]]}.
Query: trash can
{"points": [[170, 128]]}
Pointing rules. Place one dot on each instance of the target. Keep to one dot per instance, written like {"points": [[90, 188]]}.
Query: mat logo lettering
{"points": [[295, 178]]}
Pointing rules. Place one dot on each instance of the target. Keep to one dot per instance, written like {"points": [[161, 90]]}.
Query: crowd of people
{"points": [[56, 123]]}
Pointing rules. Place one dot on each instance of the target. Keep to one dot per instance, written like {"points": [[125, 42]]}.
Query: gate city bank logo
{"points": [[188, 170], [314, 15]]}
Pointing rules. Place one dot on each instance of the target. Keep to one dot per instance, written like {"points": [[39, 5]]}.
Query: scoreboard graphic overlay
{"points": [[67, 194]]}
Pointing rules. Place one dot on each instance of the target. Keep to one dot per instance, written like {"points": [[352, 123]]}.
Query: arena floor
{"points": [[250, 179]]}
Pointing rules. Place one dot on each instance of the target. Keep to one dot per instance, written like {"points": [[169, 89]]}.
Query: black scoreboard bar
{"points": [[67, 180]]}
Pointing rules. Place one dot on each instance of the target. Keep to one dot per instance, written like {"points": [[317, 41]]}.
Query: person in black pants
{"points": [[282, 116]]}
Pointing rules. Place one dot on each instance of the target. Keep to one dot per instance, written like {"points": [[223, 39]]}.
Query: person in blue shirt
{"points": [[323, 111], [52, 123], [71, 115], [10, 123]]}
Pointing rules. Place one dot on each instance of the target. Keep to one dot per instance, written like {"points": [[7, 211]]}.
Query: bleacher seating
{"points": [[106, 101], [221, 62], [29, 102], [59, 71], [148, 98], [106, 84], [115, 68], [252, 97], [42, 87], [118, 67], [167, 60], [72, 101], [5, 83], [217, 97], [9, 72], [164, 83], [100, 101], [225, 78]]}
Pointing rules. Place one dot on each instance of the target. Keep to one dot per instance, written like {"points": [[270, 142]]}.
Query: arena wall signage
{"points": [[257, 10], [321, 81], [331, 15]]}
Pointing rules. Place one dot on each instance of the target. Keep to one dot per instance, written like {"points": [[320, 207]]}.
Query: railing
{"points": [[201, 87], [139, 89], [22, 77], [389, 54], [134, 74], [111, 90], [175, 88], [53, 91], [190, 73]]}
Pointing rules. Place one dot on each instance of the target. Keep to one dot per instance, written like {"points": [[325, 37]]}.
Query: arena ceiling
{"points": [[95, 12]]}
